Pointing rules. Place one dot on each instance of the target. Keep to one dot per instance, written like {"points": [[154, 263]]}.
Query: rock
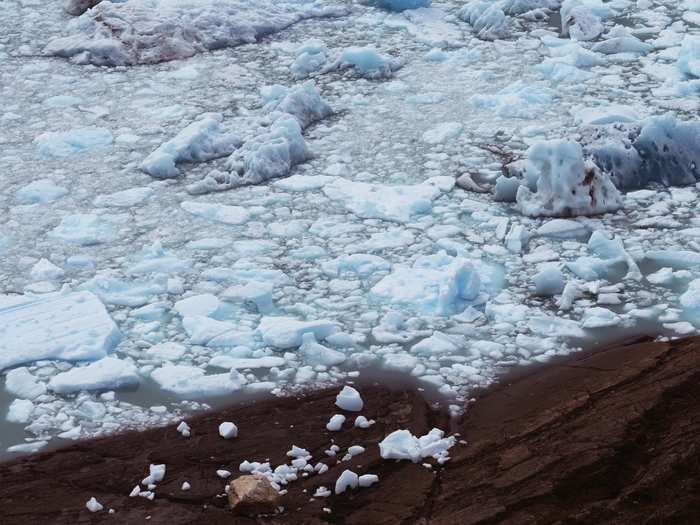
{"points": [[252, 495]]}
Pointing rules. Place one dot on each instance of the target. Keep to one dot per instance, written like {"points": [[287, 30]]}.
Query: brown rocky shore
{"points": [[604, 437]]}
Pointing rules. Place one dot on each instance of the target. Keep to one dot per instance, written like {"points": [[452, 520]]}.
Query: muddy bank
{"points": [[606, 437]]}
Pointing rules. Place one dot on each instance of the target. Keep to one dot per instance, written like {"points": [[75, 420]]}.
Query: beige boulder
{"points": [[252, 495]]}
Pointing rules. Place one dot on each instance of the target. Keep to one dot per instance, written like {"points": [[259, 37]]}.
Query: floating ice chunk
{"points": [[347, 480], [562, 229], [435, 285], [228, 430], [311, 56], [124, 199], [27, 448], [516, 238], [614, 249], [184, 429], [442, 133], [335, 423], [689, 57], [241, 363], [401, 444], [670, 151], [690, 299], [360, 264], [257, 292], [20, 411], [393, 329], [162, 30], [506, 189], [487, 19], [303, 102], [611, 114], [317, 354], [270, 154], [45, 270], [190, 381], [349, 399], [20, 382], [202, 304], [108, 373], [62, 144], [550, 326], [436, 344], [42, 191], [390, 203], [622, 44], [154, 259], [205, 331], [580, 21], [226, 214], [365, 61], [287, 332], [303, 182], [84, 229], [676, 259], [201, 141], [398, 5], [566, 185], [597, 317], [681, 327], [516, 100], [166, 351], [519, 7], [549, 280], [125, 293], [71, 327], [93, 505]]}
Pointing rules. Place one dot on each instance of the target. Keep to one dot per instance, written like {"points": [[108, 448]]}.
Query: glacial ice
{"points": [[190, 381], [398, 5], [391, 203], [71, 327], [201, 141], [109, 373], [487, 19], [63, 144], [150, 31], [287, 332], [42, 191], [435, 285], [566, 185]]}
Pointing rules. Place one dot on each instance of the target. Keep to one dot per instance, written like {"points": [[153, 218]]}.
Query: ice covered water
{"points": [[192, 221]]}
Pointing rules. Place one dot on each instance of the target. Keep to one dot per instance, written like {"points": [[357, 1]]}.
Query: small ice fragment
{"points": [[93, 505], [367, 480], [362, 422], [347, 480], [349, 399], [228, 430], [185, 486], [335, 423], [184, 429]]}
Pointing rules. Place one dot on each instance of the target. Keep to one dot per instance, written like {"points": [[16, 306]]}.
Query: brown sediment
{"points": [[606, 437]]}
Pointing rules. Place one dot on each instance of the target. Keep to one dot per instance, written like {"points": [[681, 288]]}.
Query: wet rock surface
{"points": [[605, 437]]}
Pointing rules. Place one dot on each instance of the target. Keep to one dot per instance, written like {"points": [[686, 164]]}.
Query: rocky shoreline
{"points": [[608, 436]]}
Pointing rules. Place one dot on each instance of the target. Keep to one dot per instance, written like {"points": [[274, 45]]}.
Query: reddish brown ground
{"points": [[608, 437]]}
